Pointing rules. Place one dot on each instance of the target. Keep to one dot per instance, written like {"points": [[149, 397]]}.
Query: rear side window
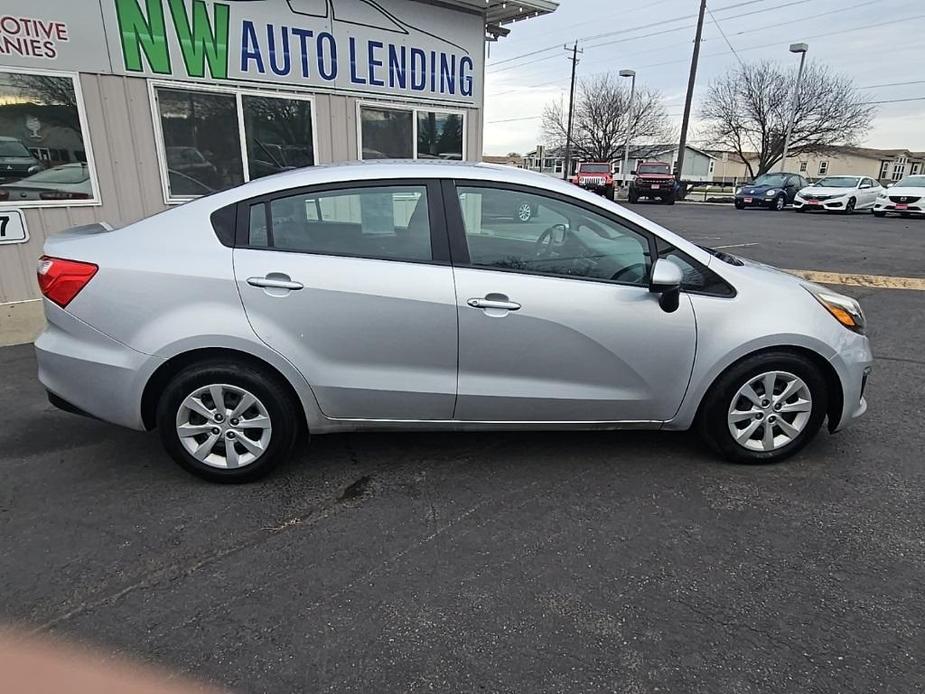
{"points": [[388, 222]]}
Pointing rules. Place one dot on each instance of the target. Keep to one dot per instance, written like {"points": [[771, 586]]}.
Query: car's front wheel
{"points": [[779, 203], [227, 421], [765, 408], [739, 205], [850, 205], [523, 212], [879, 213]]}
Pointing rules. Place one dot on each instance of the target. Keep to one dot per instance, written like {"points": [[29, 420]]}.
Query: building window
{"points": [[915, 169], [560, 165], [823, 168], [804, 166], [44, 148], [278, 134], [440, 135], [199, 137], [712, 167], [548, 163], [899, 168], [398, 133], [884, 170]]}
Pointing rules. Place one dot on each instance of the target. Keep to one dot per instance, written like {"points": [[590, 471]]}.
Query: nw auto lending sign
{"points": [[393, 47]]}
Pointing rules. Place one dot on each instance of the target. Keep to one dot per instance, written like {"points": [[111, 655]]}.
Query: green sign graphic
{"points": [[202, 40]]}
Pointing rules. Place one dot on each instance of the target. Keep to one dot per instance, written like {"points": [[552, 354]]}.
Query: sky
{"points": [[874, 42]]}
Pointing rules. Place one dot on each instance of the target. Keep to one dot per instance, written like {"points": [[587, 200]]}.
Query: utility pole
{"points": [[682, 147], [571, 107]]}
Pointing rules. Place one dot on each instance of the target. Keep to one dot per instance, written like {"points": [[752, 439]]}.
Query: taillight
{"points": [[62, 195], [61, 280]]}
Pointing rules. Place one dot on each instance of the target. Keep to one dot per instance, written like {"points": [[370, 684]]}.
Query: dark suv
{"points": [[771, 190], [653, 180]]}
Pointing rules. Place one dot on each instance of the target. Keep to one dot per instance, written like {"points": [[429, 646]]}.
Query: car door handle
{"points": [[274, 283], [494, 303]]}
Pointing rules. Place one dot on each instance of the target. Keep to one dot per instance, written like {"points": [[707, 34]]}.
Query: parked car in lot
{"points": [[906, 198], [382, 296], [64, 182], [594, 176], [771, 190], [16, 161], [838, 194], [653, 180]]}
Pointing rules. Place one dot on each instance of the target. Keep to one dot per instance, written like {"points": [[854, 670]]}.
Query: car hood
{"points": [[757, 190], [909, 192], [826, 190]]}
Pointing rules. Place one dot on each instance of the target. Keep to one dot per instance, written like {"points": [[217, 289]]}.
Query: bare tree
{"points": [[748, 109], [601, 113]]}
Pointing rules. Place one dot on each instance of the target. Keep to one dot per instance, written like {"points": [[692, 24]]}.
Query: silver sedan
{"points": [[408, 295]]}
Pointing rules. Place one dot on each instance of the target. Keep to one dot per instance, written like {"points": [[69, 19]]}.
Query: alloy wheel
{"points": [[769, 411], [223, 426], [524, 212], [780, 203]]}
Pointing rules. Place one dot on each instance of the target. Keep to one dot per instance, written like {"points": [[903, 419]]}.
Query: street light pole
{"points": [[629, 123], [571, 109], [800, 48]]}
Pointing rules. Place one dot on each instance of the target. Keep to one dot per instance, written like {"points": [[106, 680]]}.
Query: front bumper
{"points": [[900, 208], [753, 201], [834, 204], [91, 372], [853, 364]]}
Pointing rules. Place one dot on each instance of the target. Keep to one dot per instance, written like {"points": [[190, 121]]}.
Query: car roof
{"points": [[376, 169]]}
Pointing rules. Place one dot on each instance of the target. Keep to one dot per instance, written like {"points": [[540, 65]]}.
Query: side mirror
{"points": [[666, 280]]}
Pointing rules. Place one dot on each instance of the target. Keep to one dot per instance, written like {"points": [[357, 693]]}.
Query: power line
{"points": [[725, 38], [512, 120], [895, 101], [891, 84], [644, 26]]}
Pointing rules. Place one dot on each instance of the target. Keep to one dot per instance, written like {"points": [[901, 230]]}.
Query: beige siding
{"points": [[121, 135]]}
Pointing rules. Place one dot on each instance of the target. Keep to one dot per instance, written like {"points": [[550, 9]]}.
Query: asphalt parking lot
{"points": [[557, 562]]}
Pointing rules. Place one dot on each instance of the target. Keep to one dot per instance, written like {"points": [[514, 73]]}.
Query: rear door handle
{"points": [[494, 303], [274, 283]]}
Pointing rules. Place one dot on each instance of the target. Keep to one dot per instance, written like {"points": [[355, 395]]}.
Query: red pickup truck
{"points": [[594, 176]]}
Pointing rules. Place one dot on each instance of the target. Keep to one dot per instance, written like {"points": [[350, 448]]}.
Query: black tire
{"points": [[610, 193], [712, 421], [879, 214], [739, 205], [802, 208], [276, 398], [905, 214], [779, 203], [668, 200], [632, 198], [849, 206]]}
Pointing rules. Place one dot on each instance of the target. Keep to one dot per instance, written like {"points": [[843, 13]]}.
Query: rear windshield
{"points": [[594, 168]]}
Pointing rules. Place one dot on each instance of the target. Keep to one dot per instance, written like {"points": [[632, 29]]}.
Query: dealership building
{"points": [[113, 110]]}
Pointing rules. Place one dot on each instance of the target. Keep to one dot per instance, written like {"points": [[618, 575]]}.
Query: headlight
{"points": [[738, 191], [844, 309], [882, 196], [34, 169], [771, 192]]}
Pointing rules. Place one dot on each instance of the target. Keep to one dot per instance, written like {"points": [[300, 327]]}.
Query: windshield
{"points": [[13, 148], [838, 182], [911, 182], [653, 169], [594, 168], [776, 179]]}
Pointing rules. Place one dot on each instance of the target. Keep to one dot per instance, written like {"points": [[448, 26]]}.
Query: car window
{"points": [[389, 222], [511, 230], [696, 277]]}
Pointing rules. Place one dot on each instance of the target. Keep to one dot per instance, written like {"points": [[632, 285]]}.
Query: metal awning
{"points": [[503, 11]]}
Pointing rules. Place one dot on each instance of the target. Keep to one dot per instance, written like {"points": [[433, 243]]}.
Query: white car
{"points": [[839, 194], [64, 182], [907, 197]]}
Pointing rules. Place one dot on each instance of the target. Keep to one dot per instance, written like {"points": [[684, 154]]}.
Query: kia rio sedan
{"points": [[392, 296]]}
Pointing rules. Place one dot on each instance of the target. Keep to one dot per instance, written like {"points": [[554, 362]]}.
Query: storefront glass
{"points": [[43, 157], [278, 133]]}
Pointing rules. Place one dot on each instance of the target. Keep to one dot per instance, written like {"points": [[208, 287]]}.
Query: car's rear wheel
{"points": [[227, 421], [765, 408]]}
